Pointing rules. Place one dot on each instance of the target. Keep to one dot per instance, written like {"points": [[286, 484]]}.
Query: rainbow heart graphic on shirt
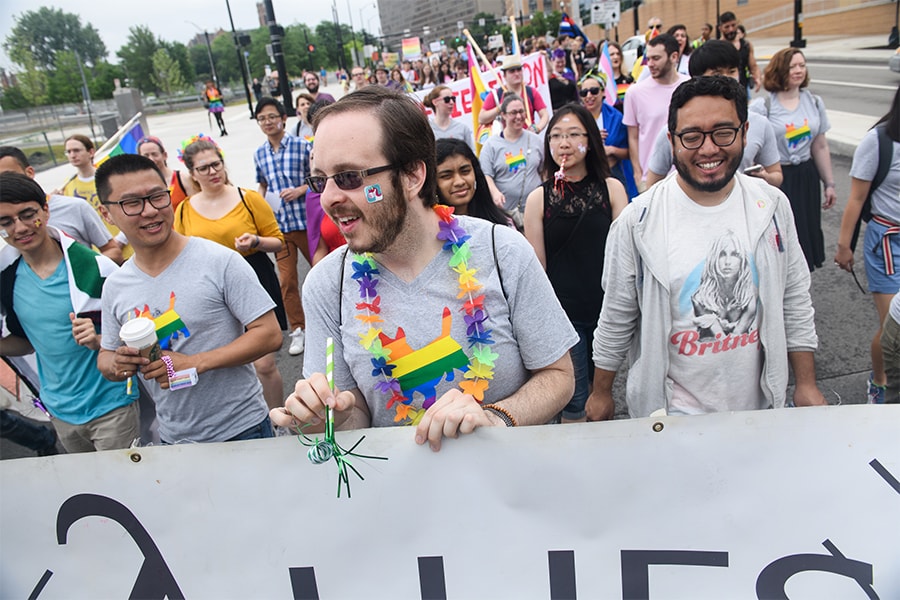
{"points": [[514, 162]]}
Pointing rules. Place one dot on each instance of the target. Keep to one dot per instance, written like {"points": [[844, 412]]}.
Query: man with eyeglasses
{"points": [[654, 27], [358, 74], [706, 285], [280, 173], [212, 317], [442, 323], [718, 57], [536, 115], [50, 300], [647, 100]]}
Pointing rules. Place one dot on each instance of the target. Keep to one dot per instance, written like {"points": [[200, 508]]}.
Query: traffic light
{"points": [[311, 48]]}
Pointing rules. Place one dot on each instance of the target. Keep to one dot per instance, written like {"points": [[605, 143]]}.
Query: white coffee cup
{"points": [[140, 333]]}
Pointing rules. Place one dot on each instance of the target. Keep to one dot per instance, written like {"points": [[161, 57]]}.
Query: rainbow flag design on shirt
{"points": [[514, 162], [169, 326], [423, 369], [794, 135]]}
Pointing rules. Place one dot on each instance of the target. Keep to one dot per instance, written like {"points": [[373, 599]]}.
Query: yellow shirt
{"points": [[253, 215], [87, 191]]}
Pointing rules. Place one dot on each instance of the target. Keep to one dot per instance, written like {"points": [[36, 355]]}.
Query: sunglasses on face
{"points": [[448, 99], [656, 27], [593, 91], [345, 180]]}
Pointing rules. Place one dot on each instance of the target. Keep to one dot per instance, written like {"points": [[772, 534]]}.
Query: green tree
{"points": [[167, 74], [44, 33], [137, 57], [13, 98], [102, 84], [179, 52], [64, 84], [33, 82]]}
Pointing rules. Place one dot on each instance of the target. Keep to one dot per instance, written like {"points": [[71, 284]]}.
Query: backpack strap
{"points": [[341, 288], [885, 157], [497, 262]]}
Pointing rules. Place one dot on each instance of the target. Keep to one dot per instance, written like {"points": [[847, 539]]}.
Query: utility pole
{"points": [[237, 48], [798, 41], [337, 30], [276, 33]]}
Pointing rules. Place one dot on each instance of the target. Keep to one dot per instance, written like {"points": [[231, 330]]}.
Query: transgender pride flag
{"points": [[605, 66]]}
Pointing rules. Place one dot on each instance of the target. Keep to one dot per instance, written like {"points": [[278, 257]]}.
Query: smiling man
{"points": [[704, 277], [212, 316], [440, 322]]}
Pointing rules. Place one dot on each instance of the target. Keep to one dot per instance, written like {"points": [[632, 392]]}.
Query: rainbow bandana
{"points": [[402, 371]]}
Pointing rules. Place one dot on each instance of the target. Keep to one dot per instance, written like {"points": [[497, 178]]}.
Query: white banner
{"points": [[534, 68], [802, 503]]}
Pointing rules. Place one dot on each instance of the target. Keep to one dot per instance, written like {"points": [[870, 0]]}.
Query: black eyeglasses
{"points": [[593, 91], [26, 217], [345, 180], [721, 137], [215, 166], [448, 99], [132, 207]]}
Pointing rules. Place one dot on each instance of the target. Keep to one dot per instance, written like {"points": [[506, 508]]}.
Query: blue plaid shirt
{"points": [[281, 170]]}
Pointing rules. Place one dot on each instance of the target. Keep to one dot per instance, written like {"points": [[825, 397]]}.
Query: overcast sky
{"points": [[172, 19]]}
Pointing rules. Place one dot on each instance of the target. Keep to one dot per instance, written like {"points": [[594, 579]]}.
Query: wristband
{"points": [[255, 242], [829, 185], [179, 379], [501, 412]]}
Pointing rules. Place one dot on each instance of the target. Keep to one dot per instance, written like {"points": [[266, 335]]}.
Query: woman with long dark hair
{"points": [[461, 182], [680, 33], [567, 220], [880, 247]]}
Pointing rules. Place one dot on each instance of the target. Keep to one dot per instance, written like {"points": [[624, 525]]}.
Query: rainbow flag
{"points": [[127, 142], [478, 92], [411, 48], [605, 65]]}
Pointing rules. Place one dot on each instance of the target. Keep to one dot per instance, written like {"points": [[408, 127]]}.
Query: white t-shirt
{"points": [[715, 358]]}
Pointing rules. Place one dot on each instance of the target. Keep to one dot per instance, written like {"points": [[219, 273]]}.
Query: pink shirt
{"points": [[647, 107]]}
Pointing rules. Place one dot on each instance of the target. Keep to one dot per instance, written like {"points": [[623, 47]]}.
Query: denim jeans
{"points": [[25, 433], [582, 360], [261, 430]]}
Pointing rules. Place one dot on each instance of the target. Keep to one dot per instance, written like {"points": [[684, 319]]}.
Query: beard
{"points": [[312, 89], [387, 224], [709, 186], [730, 35]]}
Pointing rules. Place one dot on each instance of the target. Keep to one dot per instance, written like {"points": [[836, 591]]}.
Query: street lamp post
{"points": [[276, 33], [237, 48], [212, 64], [798, 41], [337, 29], [354, 54]]}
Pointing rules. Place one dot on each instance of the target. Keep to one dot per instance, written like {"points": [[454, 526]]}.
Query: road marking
{"points": [[871, 86], [853, 66]]}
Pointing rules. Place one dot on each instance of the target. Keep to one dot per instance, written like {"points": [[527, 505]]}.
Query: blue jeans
{"points": [[261, 430], [582, 360], [25, 433]]}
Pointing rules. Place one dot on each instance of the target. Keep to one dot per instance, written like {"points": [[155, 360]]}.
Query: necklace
{"points": [[386, 352]]}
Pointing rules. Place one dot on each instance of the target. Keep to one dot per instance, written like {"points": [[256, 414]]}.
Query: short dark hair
{"points": [[667, 41], [595, 160], [85, 141], [716, 86], [122, 164], [407, 137], [16, 188], [311, 74], [269, 101], [316, 107], [16, 153], [727, 17], [714, 54]]}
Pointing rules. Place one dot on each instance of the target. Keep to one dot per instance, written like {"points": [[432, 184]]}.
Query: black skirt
{"points": [[265, 272], [802, 187]]}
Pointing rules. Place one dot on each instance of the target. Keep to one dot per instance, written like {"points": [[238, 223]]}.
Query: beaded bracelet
{"points": [[170, 367], [501, 412]]}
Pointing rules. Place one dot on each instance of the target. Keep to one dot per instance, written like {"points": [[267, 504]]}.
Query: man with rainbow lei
{"points": [[441, 322]]}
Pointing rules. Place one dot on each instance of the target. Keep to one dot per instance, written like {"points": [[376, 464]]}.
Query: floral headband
{"points": [[197, 138]]}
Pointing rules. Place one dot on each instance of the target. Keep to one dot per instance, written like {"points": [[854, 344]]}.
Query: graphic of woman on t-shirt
{"points": [[725, 301]]}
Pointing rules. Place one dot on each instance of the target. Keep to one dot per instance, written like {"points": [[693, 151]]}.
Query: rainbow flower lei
{"points": [[481, 358]]}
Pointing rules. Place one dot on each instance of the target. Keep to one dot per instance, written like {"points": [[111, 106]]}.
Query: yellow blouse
{"points": [[259, 220]]}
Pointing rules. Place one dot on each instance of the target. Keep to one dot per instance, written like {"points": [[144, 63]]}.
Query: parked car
{"points": [[632, 50], [894, 63]]}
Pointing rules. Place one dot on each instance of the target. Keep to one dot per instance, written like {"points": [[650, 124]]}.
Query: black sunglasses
{"points": [[345, 180], [449, 99], [593, 91]]}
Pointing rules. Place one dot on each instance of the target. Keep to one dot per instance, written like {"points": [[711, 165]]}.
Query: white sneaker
{"points": [[297, 339]]}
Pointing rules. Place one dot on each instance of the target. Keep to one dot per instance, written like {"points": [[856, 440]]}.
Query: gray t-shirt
{"points": [[530, 332], [514, 166], [760, 148], [77, 218], [457, 130], [795, 129], [886, 197], [201, 302]]}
